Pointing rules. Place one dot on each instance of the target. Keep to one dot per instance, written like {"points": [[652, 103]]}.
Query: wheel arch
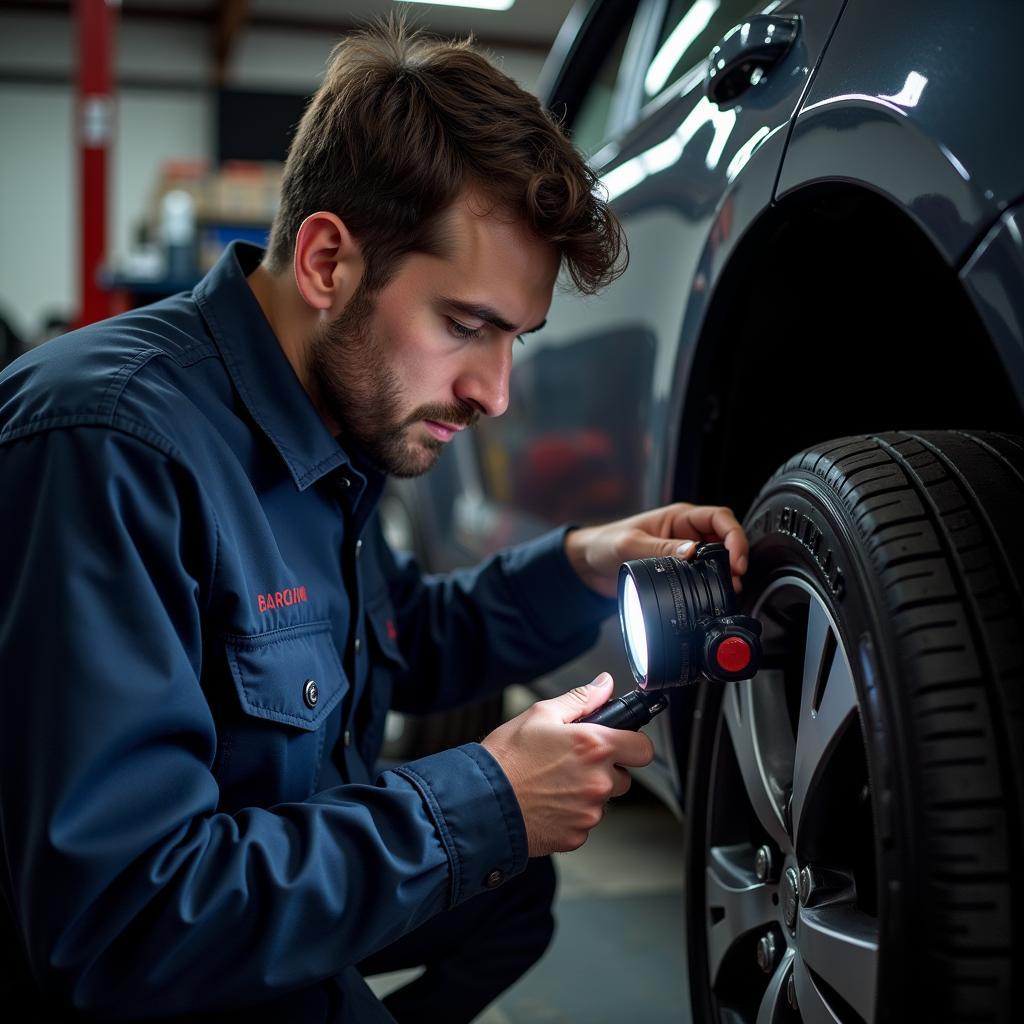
{"points": [[835, 315], [763, 386]]}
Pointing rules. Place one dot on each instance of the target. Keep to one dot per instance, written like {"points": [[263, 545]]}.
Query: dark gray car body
{"points": [[838, 251]]}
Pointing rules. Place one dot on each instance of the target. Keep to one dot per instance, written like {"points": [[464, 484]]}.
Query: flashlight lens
{"points": [[636, 633]]}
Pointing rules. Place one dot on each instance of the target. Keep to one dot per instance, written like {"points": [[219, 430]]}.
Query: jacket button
{"points": [[347, 738], [494, 879], [310, 693], [359, 548], [343, 481], [358, 644]]}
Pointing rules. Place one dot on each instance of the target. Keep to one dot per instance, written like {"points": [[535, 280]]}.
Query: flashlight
{"points": [[679, 625]]}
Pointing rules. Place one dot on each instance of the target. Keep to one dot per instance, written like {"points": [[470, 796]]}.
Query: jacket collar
{"points": [[261, 373]]}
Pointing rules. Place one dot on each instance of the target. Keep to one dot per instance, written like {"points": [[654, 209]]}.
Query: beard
{"points": [[358, 389]]}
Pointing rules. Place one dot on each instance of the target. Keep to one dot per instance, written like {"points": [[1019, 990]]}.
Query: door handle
{"points": [[746, 52]]}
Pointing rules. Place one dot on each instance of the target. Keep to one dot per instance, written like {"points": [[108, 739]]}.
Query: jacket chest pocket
{"points": [[288, 681]]}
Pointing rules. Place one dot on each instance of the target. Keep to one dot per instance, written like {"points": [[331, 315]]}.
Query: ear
{"points": [[328, 263]]}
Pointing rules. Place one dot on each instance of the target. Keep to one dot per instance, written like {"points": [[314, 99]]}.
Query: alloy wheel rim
{"points": [[789, 788]]}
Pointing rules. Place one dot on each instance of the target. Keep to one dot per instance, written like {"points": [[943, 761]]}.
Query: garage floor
{"points": [[617, 954]]}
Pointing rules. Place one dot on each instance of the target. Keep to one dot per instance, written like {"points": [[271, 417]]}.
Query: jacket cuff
{"points": [[553, 599], [476, 815]]}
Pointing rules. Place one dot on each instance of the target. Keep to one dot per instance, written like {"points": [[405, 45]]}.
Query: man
{"points": [[204, 628]]}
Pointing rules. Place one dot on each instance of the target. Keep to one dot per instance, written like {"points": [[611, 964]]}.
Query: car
{"points": [[821, 327]]}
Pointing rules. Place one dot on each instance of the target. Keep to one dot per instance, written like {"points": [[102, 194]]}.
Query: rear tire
{"points": [[877, 760]]}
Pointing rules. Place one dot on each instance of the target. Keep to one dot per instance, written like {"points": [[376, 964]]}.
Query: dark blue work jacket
{"points": [[201, 632]]}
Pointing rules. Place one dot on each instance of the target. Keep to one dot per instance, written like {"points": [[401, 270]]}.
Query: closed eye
{"points": [[460, 330], [464, 332]]}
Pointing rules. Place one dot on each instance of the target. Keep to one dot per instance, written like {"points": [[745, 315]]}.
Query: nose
{"points": [[484, 379]]}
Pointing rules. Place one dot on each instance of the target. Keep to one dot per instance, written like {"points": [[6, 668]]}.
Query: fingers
{"points": [[581, 700], [715, 522], [623, 780], [686, 550], [632, 749]]}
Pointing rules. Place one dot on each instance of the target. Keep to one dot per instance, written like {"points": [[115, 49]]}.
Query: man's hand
{"points": [[563, 774], [596, 552]]}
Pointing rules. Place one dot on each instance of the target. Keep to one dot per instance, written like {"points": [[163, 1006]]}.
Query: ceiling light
{"points": [[483, 5]]}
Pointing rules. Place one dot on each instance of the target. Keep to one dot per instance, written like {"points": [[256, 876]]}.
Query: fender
{"points": [[912, 124]]}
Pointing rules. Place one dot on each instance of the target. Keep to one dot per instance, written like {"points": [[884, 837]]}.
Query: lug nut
{"points": [[766, 953], [791, 991], [790, 897], [818, 885], [763, 863], [806, 885]]}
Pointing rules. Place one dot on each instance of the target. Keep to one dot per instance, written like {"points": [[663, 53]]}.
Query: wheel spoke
{"points": [[736, 901], [840, 943], [773, 1006], [832, 966], [811, 1005], [825, 710], [755, 715]]}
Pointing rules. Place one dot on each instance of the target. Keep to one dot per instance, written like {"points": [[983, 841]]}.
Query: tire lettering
{"points": [[805, 531]]}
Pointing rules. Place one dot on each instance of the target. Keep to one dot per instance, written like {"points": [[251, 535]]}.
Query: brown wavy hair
{"points": [[402, 124]]}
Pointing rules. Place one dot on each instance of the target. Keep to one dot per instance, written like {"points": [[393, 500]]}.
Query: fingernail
{"points": [[742, 563], [684, 549], [599, 681]]}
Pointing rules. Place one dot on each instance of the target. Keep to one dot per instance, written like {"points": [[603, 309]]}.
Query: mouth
{"points": [[442, 431]]}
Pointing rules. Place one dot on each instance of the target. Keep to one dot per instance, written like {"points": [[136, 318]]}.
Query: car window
{"points": [[688, 34], [592, 122]]}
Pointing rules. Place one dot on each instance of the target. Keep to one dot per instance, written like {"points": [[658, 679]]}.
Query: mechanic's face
{"points": [[402, 371]]}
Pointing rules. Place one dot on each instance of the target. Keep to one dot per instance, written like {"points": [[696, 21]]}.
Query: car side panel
{"points": [[905, 104], [994, 279]]}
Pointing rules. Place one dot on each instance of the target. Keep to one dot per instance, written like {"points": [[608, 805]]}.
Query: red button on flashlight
{"points": [[733, 654]]}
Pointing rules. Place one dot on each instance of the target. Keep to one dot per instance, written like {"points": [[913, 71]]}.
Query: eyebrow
{"points": [[488, 314]]}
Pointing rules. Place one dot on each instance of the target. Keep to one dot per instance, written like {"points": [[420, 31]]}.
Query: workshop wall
{"points": [[166, 110]]}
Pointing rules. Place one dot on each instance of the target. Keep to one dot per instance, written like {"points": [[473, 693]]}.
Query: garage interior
{"points": [[821, 329], [195, 96]]}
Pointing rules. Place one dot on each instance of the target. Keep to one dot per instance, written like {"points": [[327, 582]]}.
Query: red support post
{"points": [[96, 22]]}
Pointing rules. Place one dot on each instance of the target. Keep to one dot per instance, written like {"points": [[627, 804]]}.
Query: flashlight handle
{"points": [[630, 711]]}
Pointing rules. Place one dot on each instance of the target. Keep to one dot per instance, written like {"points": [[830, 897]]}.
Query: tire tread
{"points": [[947, 561]]}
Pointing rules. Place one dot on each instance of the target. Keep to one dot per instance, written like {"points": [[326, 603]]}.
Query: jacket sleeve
{"points": [[521, 613], [129, 891]]}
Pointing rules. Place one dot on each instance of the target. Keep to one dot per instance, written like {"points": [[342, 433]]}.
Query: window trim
{"points": [[643, 38]]}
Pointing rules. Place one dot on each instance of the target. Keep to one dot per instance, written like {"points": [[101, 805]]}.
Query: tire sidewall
{"points": [[797, 528]]}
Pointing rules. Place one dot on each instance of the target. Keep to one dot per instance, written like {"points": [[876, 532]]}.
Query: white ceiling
{"points": [[532, 22]]}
